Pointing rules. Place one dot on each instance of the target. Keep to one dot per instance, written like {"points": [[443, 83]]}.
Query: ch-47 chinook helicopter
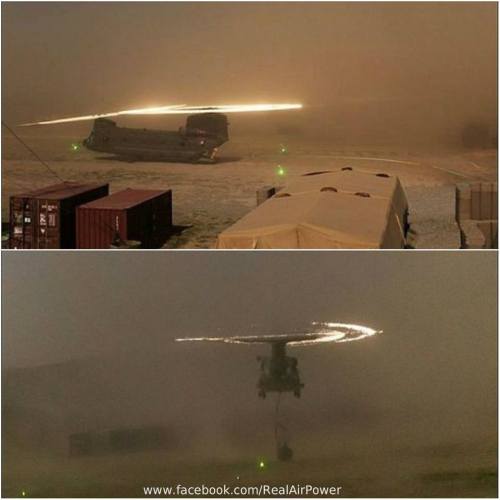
{"points": [[205, 131], [279, 372]]}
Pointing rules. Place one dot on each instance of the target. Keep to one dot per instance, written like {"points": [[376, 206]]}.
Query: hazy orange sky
{"points": [[384, 64]]}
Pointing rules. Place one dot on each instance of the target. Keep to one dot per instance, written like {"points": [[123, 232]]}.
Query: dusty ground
{"points": [[209, 198], [446, 470]]}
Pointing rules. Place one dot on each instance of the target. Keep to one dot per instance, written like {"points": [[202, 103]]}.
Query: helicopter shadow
{"points": [[174, 230], [228, 159], [121, 159]]}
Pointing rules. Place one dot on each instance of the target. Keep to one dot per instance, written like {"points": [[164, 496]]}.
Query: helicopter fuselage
{"points": [[196, 142], [279, 372]]}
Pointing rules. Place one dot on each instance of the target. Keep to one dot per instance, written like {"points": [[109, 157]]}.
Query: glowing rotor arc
{"points": [[324, 332], [175, 110]]}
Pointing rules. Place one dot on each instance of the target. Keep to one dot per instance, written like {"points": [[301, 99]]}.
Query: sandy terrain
{"points": [[446, 470], [209, 198]]}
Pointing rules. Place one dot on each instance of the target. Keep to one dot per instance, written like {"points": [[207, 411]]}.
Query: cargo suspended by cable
{"points": [[283, 451], [33, 152]]}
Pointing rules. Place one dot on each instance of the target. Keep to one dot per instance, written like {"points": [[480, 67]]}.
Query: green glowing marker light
{"points": [[262, 464], [75, 147], [280, 171], [283, 149], [23, 493]]}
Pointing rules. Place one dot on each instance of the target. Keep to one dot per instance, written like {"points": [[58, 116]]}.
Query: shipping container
{"points": [[46, 218], [133, 214]]}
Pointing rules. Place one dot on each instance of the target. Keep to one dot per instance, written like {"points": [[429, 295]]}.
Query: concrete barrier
{"points": [[463, 202], [472, 236], [265, 193], [432, 217], [477, 214], [489, 228]]}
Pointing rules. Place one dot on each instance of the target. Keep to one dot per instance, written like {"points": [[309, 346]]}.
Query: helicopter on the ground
{"points": [[205, 131], [196, 142]]}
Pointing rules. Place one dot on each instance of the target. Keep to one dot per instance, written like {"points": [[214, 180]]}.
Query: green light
{"points": [[23, 493], [280, 171], [262, 464], [75, 147], [283, 149]]}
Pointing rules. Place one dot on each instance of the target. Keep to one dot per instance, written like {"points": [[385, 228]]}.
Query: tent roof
{"points": [[343, 209]]}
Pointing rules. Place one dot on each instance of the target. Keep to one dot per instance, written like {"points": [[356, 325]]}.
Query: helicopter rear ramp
{"points": [[330, 209]]}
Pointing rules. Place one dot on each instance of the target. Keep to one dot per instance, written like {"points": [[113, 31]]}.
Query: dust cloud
{"points": [[370, 73], [88, 345]]}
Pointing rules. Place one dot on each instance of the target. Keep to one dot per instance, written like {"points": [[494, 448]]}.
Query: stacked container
{"points": [[46, 218]]}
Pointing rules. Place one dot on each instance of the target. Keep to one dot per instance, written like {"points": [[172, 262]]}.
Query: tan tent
{"points": [[342, 209]]}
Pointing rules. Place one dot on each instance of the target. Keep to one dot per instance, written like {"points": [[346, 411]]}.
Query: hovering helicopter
{"points": [[205, 131], [279, 372]]}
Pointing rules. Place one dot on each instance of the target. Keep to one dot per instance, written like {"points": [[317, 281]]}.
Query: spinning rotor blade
{"points": [[175, 110], [143, 111], [327, 332]]}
